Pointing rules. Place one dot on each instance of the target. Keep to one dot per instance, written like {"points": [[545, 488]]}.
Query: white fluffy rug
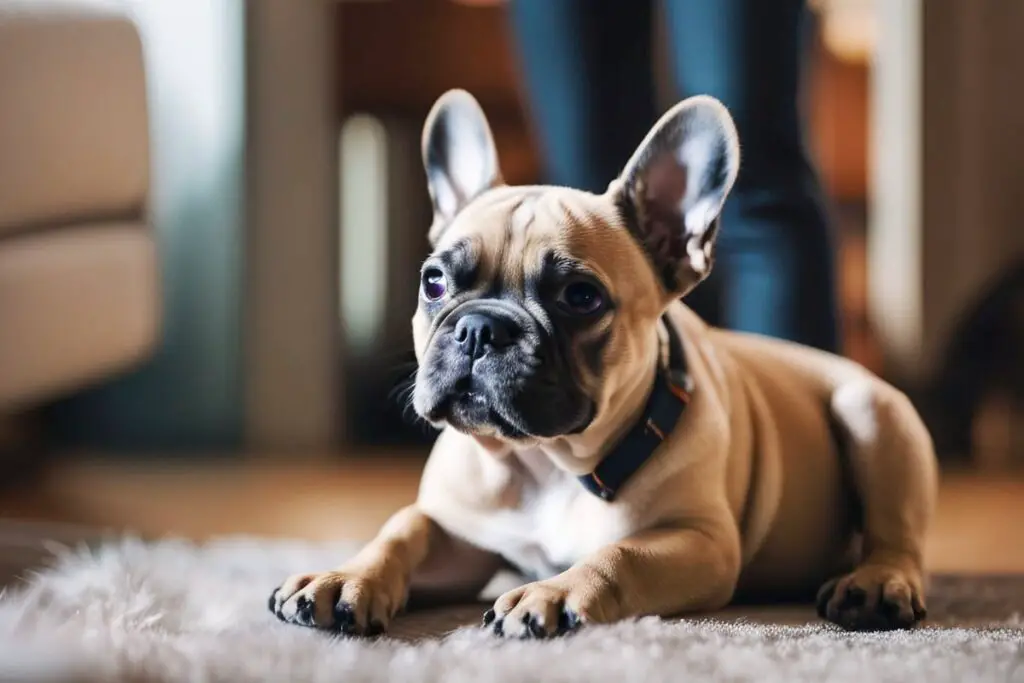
{"points": [[173, 611]]}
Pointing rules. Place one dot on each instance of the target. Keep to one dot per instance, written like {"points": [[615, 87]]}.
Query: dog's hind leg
{"points": [[895, 473]]}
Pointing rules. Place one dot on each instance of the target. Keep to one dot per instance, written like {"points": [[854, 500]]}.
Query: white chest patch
{"points": [[556, 524]]}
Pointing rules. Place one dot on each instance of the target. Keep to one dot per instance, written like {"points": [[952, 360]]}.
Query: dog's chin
{"points": [[475, 414]]}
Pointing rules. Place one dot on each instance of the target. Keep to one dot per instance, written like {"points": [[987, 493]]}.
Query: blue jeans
{"points": [[587, 68]]}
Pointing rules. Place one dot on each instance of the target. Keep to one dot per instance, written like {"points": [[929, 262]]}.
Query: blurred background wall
{"points": [[189, 394]]}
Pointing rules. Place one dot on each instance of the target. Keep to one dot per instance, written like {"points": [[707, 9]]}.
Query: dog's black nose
{"points": [[476, 333]]}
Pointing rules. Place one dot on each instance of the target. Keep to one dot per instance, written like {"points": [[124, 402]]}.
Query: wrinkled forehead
{"points": [[519, 231]]}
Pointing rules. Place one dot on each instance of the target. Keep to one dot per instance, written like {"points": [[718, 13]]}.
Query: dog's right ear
{"points": [[459, 156]]}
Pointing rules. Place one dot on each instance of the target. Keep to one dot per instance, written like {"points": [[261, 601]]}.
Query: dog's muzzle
{"points": [[490, 369]]}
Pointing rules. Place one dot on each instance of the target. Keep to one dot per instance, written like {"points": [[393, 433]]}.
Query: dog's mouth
{"points": [[478, 412], [470, 410]]}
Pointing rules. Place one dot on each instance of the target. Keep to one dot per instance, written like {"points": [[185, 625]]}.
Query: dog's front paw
{"points": [[872, 598], [536, 610], [351, 603]]}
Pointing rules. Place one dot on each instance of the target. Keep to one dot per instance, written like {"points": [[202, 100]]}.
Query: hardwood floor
{"points": [[978, 529]]}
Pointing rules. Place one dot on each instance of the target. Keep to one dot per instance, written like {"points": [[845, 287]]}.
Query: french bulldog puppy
{"points": [[601, 439]]}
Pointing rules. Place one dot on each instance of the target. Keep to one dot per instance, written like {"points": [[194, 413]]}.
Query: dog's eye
{"points": [[581, 298], [434, 284]]}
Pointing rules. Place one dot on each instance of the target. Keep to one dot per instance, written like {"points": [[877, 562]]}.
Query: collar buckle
{"points": [[680, 384]]}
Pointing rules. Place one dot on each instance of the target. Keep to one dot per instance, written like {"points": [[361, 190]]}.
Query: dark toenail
{"points": [[535, 629], [568, 620], [489, 617], [272, 601], [344, 618], [498, 628], [919, 610], [889, 608], [855, 597], [304, 609]]}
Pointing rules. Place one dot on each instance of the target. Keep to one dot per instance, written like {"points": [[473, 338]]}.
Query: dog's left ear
{"points": [[674, 186], [459, 156]]}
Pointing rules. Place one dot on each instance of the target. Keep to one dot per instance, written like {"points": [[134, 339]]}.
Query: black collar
{"points": [[665, 405]]}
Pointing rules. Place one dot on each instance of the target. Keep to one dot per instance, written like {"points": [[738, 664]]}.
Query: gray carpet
{"points": [[173, 611]]}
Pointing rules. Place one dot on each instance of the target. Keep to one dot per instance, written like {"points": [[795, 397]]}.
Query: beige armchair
{"points": [[79, 286]]}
